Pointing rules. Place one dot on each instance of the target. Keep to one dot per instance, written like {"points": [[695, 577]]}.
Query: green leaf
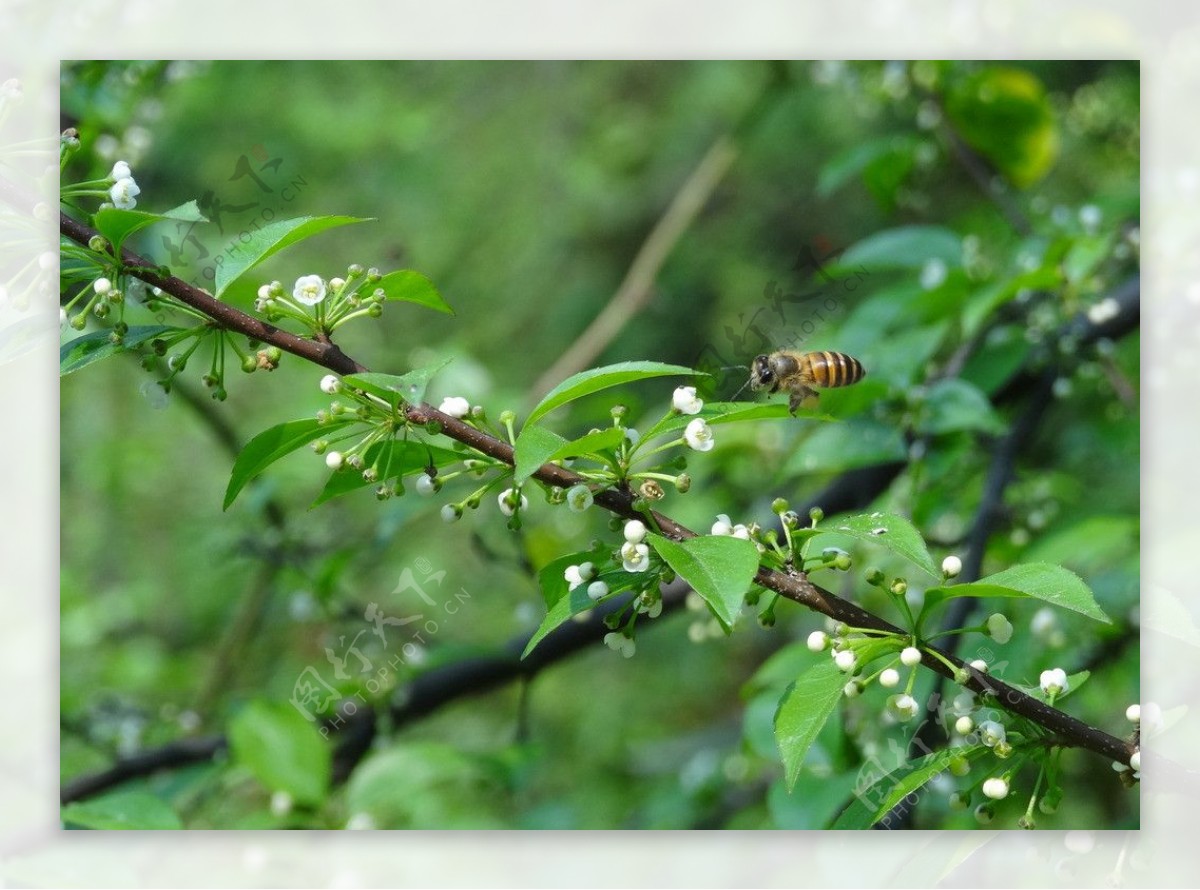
{"points": [[419, 784], [1003, 353], [859, 442], [872, 803], [394, 459], [861, 158], [1049, 583], [282, 749], [1086, 254], [552, 580], [803, 710], [573, 602], [887, 530], [409, 387], [719, 568], [136, 810], [537, 446], [267, 447], [244, 255], [1005, 115], [953, 405], [413, 287], [117, 225], [907, 247], [779, 670], [82, 351], [587, 382]]}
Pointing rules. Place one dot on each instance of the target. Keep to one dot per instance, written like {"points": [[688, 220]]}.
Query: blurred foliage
{"points": [[523, 190]]}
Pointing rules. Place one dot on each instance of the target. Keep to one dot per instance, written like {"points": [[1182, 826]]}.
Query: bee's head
{"points": [[761, 375]]}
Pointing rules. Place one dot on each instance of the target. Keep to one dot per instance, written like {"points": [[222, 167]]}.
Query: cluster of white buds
{"points": [[124, 190]]}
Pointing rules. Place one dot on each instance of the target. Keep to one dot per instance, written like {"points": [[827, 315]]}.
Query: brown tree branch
{"points": [[794, 586]]}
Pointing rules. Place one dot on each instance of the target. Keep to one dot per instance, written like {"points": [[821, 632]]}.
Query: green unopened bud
{"points": [[373, 275], [779, 505], [249, 364], [841, 562], [320, 446], [962, 677], [374, 310], [874, 577], [682, 483], [220, 394], [507, 417], [618, 411], [274, 353], [816, 514], [354, 270], [899, 587], [433, 428]]}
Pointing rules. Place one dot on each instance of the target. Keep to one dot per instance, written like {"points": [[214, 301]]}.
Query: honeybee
{"points": [[802, 373]]}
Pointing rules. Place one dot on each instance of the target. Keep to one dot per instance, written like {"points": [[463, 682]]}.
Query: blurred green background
{"points": [[525, 190]]}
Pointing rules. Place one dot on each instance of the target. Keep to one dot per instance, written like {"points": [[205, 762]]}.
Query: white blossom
{"points": [[992, 733], [698, 435], [455, 406], [120, 170], [309, 290], [618, 642], [124, 193], [905, 707], [635, 557], [508, 501], [1054, 681], [723, 525], [580, 574], [999, 628], [685, 401], [579, 498]]}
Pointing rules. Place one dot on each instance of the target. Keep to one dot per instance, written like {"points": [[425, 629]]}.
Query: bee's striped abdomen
{"points": [[829, 370]]}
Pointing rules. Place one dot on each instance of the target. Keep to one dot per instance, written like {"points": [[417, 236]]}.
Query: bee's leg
{"points": [[802, 397]]}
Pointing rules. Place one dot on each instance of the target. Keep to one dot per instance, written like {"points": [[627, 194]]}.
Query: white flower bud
{"points": [[330, 384], [951, 566], [995, 788], [911, 656], [333, 459], [635, 531], [845, 660], [597, 590], [455, 406], [817, 641], [889, 678]]}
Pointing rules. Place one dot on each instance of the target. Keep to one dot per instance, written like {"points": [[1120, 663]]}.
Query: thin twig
{"points": [[638, 285]]}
